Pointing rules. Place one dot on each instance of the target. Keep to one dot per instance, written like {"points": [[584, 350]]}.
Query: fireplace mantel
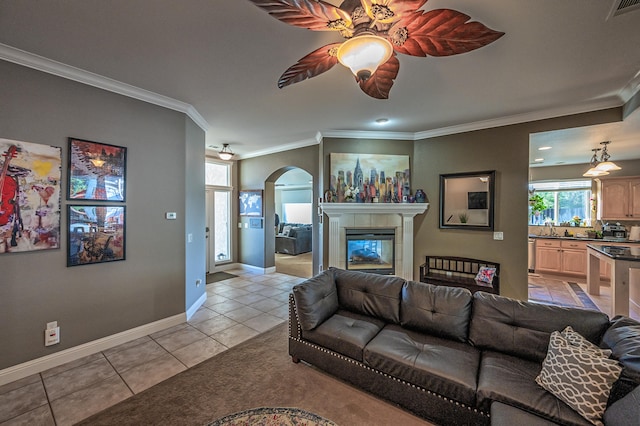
{"points": [[404, 209], [344, 215]]}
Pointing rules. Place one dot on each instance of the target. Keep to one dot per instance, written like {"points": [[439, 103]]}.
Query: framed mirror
{"points": [[467, 200]]}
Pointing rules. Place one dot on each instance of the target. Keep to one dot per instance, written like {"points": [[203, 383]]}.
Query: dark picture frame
{"points": [[250, 203], [467, 200], [96, 234], [97, 171]]}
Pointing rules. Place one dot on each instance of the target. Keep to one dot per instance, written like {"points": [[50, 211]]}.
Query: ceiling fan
{"points": [[376, 30]]}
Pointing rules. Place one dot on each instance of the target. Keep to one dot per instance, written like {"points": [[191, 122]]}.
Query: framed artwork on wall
{"points": [[96, 234], [251, 203], [97, 171], [369, 178], [30, 193]]}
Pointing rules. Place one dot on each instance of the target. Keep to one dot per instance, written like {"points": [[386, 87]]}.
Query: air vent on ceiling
{"points": [[623, 6]]}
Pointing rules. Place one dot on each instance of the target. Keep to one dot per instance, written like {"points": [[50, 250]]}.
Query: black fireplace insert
{"points": [[371, 250]]}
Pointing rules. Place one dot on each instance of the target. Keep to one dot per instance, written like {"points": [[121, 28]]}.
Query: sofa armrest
{"points": [[294, 323]]}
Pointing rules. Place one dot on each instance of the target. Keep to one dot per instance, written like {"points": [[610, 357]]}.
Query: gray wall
{"points": [[504, 149], [93, 301], [256, 247]]}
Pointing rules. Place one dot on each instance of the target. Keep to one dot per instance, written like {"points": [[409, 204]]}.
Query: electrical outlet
{"points": [[52, 336], [198, 282]]}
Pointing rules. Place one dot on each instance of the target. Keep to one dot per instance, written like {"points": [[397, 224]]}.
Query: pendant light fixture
{"points": [[603, 166], [606, 165], [226, 153]]}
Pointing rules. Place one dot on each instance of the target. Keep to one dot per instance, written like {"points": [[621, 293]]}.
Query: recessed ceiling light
{"points": [[382, 120], [544, 148]]}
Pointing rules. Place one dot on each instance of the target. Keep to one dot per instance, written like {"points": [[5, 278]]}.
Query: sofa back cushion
{"points": [[316, 300], [369, 294], [523, 329], [623, 338], [438, 310]]}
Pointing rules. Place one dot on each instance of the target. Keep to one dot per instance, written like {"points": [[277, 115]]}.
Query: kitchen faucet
{"points": [[552, 230]]}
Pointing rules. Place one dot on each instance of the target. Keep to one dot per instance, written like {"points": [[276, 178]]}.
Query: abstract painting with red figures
{"points": [[96, 171], [29, 196]]}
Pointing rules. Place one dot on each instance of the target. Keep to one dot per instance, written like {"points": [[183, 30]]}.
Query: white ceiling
{"points": [[224, 58]]}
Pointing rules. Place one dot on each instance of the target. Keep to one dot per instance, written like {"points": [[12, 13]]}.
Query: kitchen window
{"points": [[564, 201]]}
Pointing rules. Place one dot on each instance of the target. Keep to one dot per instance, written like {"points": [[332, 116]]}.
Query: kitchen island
{"points": [[622, 259]]}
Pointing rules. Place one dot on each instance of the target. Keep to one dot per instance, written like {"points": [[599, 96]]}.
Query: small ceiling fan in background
{"points": [[375, 31]]}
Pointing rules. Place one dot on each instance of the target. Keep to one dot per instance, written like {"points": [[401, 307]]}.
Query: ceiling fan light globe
{"points": [[363, 54]]}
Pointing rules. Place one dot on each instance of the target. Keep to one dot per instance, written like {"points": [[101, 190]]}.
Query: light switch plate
{"points": [[498, 236]]}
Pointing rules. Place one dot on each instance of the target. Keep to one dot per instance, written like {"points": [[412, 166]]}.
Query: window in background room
{"points": [[565, 200], [218, 199], [297, 212]]}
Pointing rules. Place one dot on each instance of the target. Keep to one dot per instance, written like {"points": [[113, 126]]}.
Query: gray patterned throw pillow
{"points": [[580, 378]]}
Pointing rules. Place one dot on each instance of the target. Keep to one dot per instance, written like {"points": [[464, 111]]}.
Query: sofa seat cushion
{"points": [[511, 380], [443, 366], [345, 332], [506, 415]]}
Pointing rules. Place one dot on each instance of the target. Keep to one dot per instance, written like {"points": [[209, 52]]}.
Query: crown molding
{"points": [[40, 63], [286, 147], [477, 125], [365, 134]]}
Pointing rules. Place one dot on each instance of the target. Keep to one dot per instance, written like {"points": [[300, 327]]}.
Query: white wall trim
{"points": [[285, 147], [196, 305], [38, 365], [40, 63]]}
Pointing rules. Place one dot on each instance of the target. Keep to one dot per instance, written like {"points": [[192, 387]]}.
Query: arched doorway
{"points": [[293, 206]]}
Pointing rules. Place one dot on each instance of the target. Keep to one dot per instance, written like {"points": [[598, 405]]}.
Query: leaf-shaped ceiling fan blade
{"points": [[314, 15], [441, 32], [315, 63], [380, 83]]}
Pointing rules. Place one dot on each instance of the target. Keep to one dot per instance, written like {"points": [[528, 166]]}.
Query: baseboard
{"points": [[38, 365], [193, 308], [256, 269]]}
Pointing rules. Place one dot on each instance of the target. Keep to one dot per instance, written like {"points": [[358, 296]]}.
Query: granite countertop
{"points": [[599, 240], [618, 252]]}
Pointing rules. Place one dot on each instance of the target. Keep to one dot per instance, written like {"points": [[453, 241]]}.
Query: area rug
{"points": [[256, 373], [219, 276], [273, 416], [564, 293]]}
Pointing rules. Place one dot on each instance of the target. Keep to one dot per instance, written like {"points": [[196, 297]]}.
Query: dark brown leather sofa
{"points": [[449, 356]]}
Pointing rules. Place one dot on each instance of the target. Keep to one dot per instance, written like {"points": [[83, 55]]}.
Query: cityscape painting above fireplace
{"points": [[367, 178]]}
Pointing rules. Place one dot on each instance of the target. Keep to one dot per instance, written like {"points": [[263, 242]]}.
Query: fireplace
{"points": [[371, 250]]}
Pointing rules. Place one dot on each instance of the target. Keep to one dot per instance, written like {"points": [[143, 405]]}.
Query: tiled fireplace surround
{"points": [[356, 215]]}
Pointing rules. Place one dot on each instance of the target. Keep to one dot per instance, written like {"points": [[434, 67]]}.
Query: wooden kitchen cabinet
{"points": [[548, 256], [574, 257], [619, 198]]}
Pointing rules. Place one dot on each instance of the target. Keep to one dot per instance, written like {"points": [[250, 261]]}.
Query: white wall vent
{"points": [[623, 6]]}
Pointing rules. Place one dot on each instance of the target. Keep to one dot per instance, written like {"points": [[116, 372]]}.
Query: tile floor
{"points": [[236, 310], [553, 288]]}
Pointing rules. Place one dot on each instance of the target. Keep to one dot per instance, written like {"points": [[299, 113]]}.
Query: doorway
{"points": [[218, 214], [293, 198]]}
